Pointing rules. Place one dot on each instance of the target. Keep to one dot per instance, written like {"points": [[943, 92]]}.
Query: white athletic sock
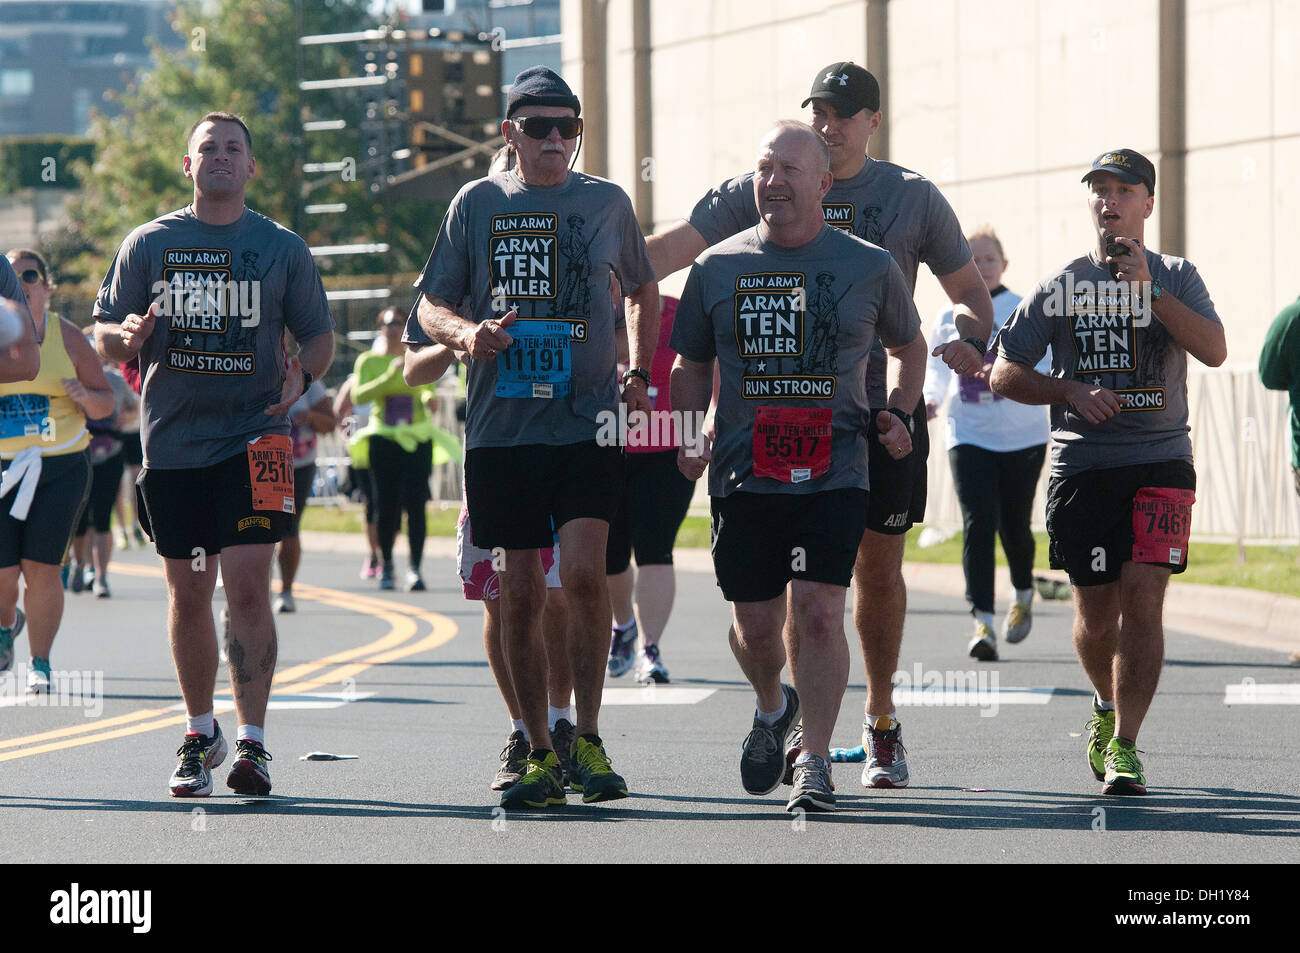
{"points": [[624, 626], [555, 714], [250, 733], [200, 725], [1025, 595], [517, 724], [771, 718], [985, 617], [869, 720], [1101, 705]]}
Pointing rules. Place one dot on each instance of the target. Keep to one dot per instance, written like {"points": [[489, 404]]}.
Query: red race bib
{"points": [[792, 444], [270, 471], [1162, 522]]}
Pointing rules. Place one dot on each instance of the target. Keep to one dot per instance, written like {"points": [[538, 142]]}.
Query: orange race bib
{"points": [[792, 444], [270, 472], [1162, 523]]}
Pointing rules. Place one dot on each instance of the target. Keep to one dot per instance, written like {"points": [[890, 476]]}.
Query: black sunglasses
{"points": [[539, 127], [31, 276]]}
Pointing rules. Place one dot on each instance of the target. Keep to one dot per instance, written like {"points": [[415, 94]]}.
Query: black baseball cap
{"points": [[1131, 166], [847, 87]]}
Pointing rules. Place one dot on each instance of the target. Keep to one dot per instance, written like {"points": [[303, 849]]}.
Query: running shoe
{"points": [[539, 787], [284, 603], [138, 533], [514, 757], [199, 755], [123, 540], [386, 578], [1018, 622], [38, 677], [813, 790], [650, 668], [76, 577], [591, 773], [762, 757], [100, 587], [793, 749], [414, 581], [622, 650], [1101, 729], [983, 645], [370, 568], [88, 582], [886, 765], [1123, 770], [562, 744], [249, 775], [7, 636]]}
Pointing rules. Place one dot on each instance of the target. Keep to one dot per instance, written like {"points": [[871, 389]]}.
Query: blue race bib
{"points": [[538, 363], [24, 415]]}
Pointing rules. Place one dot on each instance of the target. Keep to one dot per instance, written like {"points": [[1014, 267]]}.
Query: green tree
{"points": [[243, 56]]}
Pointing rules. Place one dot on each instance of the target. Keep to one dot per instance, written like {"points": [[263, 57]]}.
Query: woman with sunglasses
{"points": [[400, 434], [43, 441]]}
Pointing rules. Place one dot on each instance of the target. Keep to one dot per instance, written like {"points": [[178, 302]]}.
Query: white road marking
{"points": [[1251, 693], [940, 696], [292, 702], [654, 695]]}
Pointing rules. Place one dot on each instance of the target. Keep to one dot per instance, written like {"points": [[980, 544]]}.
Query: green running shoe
{"points": [[539, 787], [591, 772], [1100, 730], [1123, 770]]}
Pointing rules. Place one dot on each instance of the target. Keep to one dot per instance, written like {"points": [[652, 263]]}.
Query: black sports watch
{"points": [[905, 417], [306, 380], [638, 372], [978, 344]]}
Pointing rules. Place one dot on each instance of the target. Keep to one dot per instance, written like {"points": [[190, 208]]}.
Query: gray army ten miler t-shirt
{"points": [[222, 297], [548, 253], [885, 204], [1101, 333], [791, 328]]}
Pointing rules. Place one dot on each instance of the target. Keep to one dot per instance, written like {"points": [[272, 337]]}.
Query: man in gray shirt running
{"points": [[903, 213], [788, 473], [1121, 321]]}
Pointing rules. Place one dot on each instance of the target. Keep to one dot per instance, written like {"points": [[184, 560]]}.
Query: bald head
{"points": [[791, 175]]}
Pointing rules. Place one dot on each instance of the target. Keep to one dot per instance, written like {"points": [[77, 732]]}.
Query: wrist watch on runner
{"points": [[905, 417], [638, 372], [306, 380], [978, 344]]}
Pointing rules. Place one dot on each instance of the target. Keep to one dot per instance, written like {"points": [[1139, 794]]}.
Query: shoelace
{"points": [[1125, 760], [594, 759], [513, 746], [251, 749], [883, 744], [762, 744], [819, 771]]}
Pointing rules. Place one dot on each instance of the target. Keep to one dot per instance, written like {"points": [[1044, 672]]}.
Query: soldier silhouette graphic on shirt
{"points": [[822, 353], [574, 297]]}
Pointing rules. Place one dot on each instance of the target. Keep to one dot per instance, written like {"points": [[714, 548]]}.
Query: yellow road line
{"points": [[402, 620]]}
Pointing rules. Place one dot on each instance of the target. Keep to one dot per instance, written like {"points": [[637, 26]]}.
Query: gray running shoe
{"points": [[983, 645], [199, 755], [886, 765], [762, 757], [622, 651], [100, 587], [562, 736], [7, 637], [650, 668], [812, 785], [514, 758], [77, 577], [1018, 622], [284, 603]]}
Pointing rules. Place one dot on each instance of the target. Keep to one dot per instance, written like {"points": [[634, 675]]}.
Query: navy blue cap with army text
{"points": [[1131, 166]]}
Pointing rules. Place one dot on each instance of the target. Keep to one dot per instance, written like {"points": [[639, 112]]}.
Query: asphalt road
{"points": [[408, 692]]}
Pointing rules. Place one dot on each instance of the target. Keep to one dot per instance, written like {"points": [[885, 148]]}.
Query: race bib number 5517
{"points": [[792, 444]]}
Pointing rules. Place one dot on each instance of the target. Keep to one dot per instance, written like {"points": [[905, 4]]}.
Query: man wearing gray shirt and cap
{"points": [[790, 310], [1121, 321], [534, 250], [903, 213]]}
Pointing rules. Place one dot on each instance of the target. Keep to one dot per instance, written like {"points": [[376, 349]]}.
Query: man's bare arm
{"points": [[1023, 384], [905, 374], [317, 354], [480, 341], [427, 363], [21, 360], [972, 313], [674, 249]]}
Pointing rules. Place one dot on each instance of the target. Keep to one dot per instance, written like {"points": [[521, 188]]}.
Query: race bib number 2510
{"points": [[270, 472]]}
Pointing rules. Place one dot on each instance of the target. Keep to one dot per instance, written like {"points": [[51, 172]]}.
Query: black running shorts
{"points": [[61, 494], [519, 496], [1100, 519], [655, 499], [762, 541], [204, 509], [898, 487]]}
